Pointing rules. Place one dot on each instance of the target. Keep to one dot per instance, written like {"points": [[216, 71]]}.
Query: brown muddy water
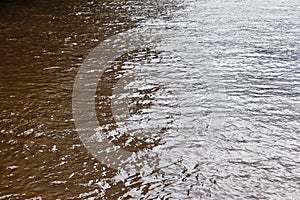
{"points": [[215, 100]]}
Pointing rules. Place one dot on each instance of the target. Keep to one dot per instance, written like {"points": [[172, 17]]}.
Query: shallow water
{"points": [[218, 92]]}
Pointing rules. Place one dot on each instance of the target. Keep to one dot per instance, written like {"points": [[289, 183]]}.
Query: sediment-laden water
{"points": [[214, 100]]}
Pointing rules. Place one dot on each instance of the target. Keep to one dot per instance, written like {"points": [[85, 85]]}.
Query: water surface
{"points": [[219, 93]]}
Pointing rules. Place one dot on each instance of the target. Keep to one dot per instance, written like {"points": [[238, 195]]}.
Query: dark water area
{"points": [[220, 91], [42, 45]]}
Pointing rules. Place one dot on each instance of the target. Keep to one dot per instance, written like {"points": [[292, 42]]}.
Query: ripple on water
{"points": [[219, 95]]}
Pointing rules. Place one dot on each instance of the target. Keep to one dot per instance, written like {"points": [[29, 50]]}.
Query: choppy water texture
{"points": [[217, 95]]}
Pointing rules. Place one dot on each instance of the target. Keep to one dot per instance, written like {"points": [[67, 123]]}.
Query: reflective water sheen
{"points": [[218, 95]]}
